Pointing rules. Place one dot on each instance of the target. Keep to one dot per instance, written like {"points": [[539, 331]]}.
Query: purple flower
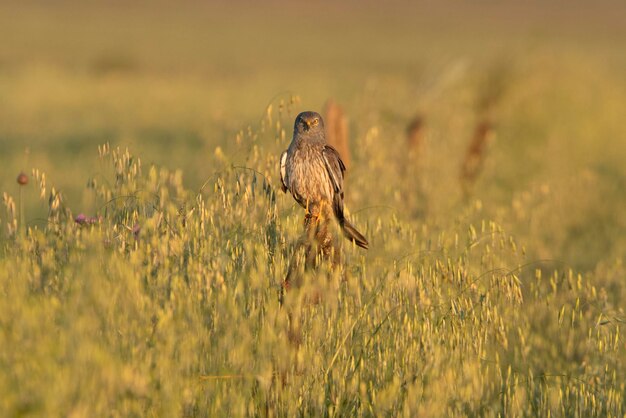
{"points": [[136, 230], [83, 219]]}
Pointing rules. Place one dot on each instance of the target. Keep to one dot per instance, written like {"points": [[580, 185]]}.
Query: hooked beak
{"points": [[307, 125]]}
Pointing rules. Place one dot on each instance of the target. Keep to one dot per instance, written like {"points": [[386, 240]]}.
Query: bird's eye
{"points": [[315, 121]]}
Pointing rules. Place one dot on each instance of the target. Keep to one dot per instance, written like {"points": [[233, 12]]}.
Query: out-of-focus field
{"points": [[508, 300]]}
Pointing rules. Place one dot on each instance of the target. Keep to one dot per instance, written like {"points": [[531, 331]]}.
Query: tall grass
{"points": [[147, 276], [164, 306]]}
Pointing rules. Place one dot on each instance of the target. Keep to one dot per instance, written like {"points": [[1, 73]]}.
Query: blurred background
{"points": [[512, 109]]}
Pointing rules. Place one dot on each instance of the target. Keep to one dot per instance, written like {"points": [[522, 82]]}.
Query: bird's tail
{"points": [[350, 232]]}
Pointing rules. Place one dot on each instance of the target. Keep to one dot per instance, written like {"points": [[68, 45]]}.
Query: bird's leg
{"points": [[307, 214], [308, 224], [311, 213]]}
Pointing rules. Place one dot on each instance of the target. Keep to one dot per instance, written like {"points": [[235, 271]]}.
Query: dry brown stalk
{"points": [[316, 245], [337, 130], [475, 156], [415, 135]]}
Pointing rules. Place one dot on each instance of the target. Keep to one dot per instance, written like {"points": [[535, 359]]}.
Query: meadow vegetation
{"points": [[141, 265]]}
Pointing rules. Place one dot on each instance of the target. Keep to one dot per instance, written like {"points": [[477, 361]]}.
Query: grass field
{"points": [[162, 124]]}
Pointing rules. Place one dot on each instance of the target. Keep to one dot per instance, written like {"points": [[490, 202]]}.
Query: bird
{"points": [[312, 171]]}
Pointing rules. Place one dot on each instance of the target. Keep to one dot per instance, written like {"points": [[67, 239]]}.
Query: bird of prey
{"points": [[312, 171]]}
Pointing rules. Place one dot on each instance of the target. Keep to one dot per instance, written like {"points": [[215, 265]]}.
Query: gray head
{"points": [[309, 125]]}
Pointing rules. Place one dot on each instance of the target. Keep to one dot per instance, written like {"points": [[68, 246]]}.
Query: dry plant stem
{"points": [[337, 130], [474, 160], [415, 135], [22, 227], [316, 245]]}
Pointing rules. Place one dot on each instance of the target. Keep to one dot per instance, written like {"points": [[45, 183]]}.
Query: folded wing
{"points": [[335, 167], [283, 171]]}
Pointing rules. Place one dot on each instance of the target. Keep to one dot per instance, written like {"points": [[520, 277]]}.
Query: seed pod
{"points": [[22, 179]]}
